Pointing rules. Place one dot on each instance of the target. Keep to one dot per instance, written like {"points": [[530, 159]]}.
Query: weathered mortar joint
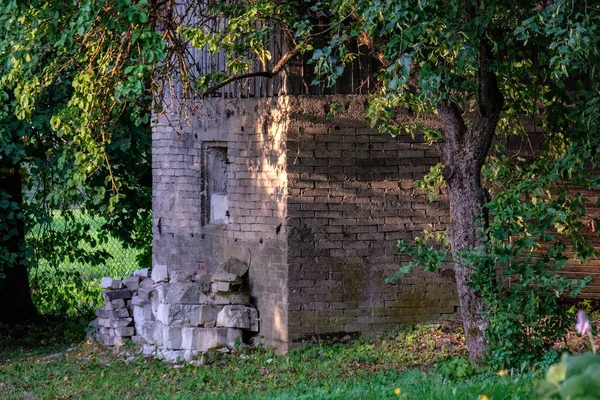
{"points": [[177, 314]]}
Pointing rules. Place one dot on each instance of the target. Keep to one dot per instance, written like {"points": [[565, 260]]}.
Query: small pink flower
{"points": [[583, 325]]}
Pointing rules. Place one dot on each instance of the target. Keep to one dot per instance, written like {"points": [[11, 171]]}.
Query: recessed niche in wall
{"points": [[216, 171]]}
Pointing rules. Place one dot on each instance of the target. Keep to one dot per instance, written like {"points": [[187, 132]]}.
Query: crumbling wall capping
{"points": [[177, 315]]}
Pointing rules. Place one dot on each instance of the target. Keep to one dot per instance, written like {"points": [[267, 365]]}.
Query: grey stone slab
{"points": [[132, 282], [172, 337], [110, 283], [118, 303], [204, 339], [226, 277], [138, 301], [182, 293], [110, 295], [160, 273], [120, 322], [142, 273], [138, 339], [235, 266], [125, 331], [224, 298], [180, 276], [146, 283], [217, 287], [234, 317], [203, 280], [204, 314]]}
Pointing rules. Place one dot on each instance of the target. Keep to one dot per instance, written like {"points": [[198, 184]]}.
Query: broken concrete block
{"points": [[132, 282], [204, 281], [224, 298], [94, 323], [110, 283], [125, 331], [188, 355], [210, 324], [136, 301], [160, 273], [203, 339], [120, 313], [103, 322], [181, 293], [234, 317], [180, 276], [116, 294], [138, 339], [147, 332], [144, 292], [204, 314], [146, 283], [235, 266], [118, 303], [103, 312], [226, 277], [216, 287], [120, 322], [141, 273], [171, 337]]}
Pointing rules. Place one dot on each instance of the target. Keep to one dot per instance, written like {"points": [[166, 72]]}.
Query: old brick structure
{"points": [[314, 205]]}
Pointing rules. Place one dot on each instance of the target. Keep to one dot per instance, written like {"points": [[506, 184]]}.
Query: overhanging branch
{"points": [[265, 74]]}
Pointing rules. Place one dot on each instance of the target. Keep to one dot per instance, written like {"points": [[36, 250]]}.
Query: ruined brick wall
{"points": [[251, 225], [350, 198]]}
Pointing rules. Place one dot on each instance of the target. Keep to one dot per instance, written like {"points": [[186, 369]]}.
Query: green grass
{"points": [[362, 369]]}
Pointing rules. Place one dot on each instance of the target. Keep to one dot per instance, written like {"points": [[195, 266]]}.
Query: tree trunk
{"points": [[15, 296], [463, 153]]}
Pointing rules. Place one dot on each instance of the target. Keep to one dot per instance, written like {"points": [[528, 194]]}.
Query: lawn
{"points": [[363, 368]]}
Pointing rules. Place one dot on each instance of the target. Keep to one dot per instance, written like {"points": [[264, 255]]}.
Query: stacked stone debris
{"points": [[177, 314], [114, 320]]}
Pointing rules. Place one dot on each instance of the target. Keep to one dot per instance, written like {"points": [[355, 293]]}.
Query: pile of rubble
{"points": [[177, 314]]}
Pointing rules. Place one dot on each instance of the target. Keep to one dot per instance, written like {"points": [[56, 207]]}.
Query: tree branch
{"points": [[266, 74]]}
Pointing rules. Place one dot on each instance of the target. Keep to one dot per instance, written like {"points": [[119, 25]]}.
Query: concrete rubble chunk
{"points": [[235, 266], [171, 337], [180, 276], [216, 287], [105, 313], [181, 293], [225, 298], [120, 322], [142, 273], [203, 339], [110, 283], [144, 292], [204, 314], [226, 277], [139, 340], [132, 282], [116, 294], [125, 331], [118, 303], [138, 301], [237, 317], [160, 273], [203, 280], [178, 314], [147, 282]]}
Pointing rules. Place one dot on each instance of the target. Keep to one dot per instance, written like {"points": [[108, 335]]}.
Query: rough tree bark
{"points": [[463, 153], [15, 296]]}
